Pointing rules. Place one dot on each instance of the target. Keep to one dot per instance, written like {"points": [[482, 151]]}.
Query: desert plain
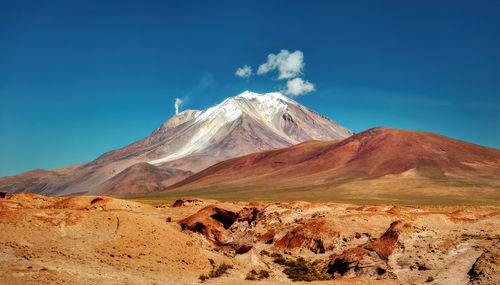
{"points": [[103, 240]]}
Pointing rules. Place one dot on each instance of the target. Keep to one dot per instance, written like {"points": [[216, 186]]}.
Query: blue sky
{"points": [[79, 78]]}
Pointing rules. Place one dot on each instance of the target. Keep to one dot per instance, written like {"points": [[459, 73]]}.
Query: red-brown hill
{"points": [[377, 165]]}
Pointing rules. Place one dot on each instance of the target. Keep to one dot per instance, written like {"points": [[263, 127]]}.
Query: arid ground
{"points": [[102, 240]]}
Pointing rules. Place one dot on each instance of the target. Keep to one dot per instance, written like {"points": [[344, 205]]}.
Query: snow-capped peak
{"points": [[227, 110], [264, 97], [260, 106], [264, 107], [274, 120]]}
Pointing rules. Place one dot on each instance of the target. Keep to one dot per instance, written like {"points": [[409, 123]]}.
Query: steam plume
{"points": [[178, 103]]}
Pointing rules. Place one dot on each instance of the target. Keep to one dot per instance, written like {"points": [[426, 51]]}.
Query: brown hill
{"points": [[380, 164], [141, 178]]}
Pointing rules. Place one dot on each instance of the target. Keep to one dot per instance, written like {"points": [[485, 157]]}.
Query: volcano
{"points": [[187, 143]]}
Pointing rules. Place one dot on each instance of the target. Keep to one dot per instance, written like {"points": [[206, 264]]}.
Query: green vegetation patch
{"points": [[254, 275], [217, 271], [302, 270]]}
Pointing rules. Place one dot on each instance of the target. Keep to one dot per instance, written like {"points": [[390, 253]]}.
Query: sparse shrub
{"points": [[469, 236], [219, 271], [300, 269], [169, 219], [263, 274], [254, 275], [264, 252], [429, 279], [466, 236], [250, 277], [203, 277], [276, 255], [280, 260], [216, 271]]}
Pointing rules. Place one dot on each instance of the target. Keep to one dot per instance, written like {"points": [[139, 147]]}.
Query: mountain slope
{"points": [[260, 121], [380, 164], [141, 178], [192, 141]]}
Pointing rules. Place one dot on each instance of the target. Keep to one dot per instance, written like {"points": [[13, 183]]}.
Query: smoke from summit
{"points": [[177, 104]]}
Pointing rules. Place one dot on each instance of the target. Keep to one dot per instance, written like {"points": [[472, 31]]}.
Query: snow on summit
{"points": [[273, 115]]}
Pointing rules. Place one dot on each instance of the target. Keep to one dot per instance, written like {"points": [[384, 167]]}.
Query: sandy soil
{"points": [[101, 240]]}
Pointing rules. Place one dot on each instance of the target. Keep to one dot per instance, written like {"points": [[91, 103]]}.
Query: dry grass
{"points": [[362, 192]]}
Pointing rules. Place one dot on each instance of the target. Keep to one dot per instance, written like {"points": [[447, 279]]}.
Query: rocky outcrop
{"points": [[128, 242], [369, 259], [375, 242], [216, 222], [191, 201], [212, 222], [486, 269], [225, 225], [317, 235]]}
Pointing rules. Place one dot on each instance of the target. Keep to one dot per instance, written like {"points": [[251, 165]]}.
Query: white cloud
{"points": [[177, 104], [245, 71], [289, 67], [298, 86], [288, 64]]}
